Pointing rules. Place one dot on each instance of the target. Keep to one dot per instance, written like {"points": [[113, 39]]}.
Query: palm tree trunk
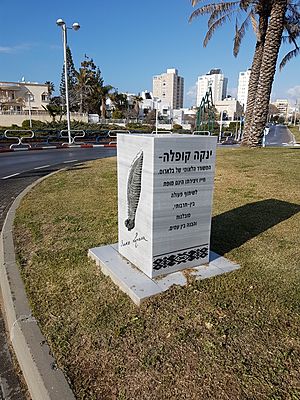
{"points": [[268, 68], [103, 108], [81, 102], [254, 76]]}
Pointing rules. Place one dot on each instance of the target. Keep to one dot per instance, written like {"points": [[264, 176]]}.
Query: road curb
{"points": [[76, 146], [44, 379]]}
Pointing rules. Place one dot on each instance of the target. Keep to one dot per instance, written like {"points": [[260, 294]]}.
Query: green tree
{"points": [[51, 87], [120, 103], [93, 82], [72, 81], [55, 108], [150, 117], [83, 88]]}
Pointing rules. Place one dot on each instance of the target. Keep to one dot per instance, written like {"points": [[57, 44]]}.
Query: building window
{"points": [[44, 97]]}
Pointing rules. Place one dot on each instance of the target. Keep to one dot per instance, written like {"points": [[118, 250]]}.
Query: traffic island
{"points": [[213, 338]]}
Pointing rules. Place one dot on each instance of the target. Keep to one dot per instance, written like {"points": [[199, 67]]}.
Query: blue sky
{"points": [[130, 41]]}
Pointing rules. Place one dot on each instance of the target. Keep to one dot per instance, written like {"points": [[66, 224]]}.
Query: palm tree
{"points": [[221, 12], [268, 67], [136, 104], [83, 87], [292, 28], [104, 92], [264, 13]]}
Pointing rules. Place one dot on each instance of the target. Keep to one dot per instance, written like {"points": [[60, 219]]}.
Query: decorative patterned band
{"points": [[178, 258]]}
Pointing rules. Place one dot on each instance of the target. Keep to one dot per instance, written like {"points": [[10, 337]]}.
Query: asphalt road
{"points": [[18, 170], [279, 135]]}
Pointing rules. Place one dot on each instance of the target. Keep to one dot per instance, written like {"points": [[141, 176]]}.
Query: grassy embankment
{"points": [[235, 336], [296, 132]]}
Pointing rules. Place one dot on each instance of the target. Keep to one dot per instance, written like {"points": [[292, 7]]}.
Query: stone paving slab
{"points": [[139, 286]]}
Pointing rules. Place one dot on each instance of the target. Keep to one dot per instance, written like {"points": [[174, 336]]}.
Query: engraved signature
{"points": [[137, 239]]}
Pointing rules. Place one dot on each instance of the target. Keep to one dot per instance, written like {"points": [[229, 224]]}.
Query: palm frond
{"points": [[254, 24], [285, 39], [214, 26], [291, 54], [219, 8], [244, 4], [293, 30], [239, 34], [217, 13], [195, 2]]}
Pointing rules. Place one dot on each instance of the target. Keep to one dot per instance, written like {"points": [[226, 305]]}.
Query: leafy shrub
{"points": [[177, 127]]}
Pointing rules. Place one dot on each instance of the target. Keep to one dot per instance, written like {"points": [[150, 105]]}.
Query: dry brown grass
{"points": [[235, 336]]}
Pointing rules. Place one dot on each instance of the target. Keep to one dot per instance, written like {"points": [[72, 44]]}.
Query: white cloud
{"points": [[5, 49], [232, 92], [192, 92], [294, 92], [15, 49], [190, 96]]}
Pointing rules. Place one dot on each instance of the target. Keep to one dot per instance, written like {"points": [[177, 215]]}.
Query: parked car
{"points": [[229, 141]]}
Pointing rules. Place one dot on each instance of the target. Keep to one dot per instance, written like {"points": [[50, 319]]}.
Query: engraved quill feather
{"points": [[134, 189]]}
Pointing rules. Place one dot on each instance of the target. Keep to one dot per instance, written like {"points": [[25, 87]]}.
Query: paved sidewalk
{"points": [[26, 148]]}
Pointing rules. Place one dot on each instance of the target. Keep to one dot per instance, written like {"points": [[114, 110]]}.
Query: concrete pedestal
{"points": [[139, 286]]}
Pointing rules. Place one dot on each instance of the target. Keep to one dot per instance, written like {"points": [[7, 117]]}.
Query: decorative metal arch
{"points": [[205, 114]]}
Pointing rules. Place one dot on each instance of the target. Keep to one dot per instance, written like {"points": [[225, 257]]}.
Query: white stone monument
{"points": [[165, 188]]}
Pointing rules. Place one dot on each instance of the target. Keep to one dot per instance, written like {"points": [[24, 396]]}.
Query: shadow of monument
{"points": [[235, 227]]}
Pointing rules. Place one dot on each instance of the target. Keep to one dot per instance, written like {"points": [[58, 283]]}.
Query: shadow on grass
{"points": [[235, 227]]}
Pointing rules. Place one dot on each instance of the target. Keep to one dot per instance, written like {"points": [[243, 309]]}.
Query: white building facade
{"points": [[242, 94], [215, 80], [230, 109], [283, 107], [169, 87], [17, 97]]}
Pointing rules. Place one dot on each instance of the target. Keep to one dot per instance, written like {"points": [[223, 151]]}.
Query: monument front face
{"points": [[165, 187]]}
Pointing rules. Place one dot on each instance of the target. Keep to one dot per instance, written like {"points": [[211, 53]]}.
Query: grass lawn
{"points": [[235, 336], [296, 132]]}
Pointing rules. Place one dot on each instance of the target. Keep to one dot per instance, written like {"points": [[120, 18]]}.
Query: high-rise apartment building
{"points": [[168, 87], [218, 83], [242, 93]]}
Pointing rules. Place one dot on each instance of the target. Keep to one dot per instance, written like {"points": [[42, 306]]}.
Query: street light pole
{"points": [[29, 109], [156, 116], [221, 123], [64, 28]]}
